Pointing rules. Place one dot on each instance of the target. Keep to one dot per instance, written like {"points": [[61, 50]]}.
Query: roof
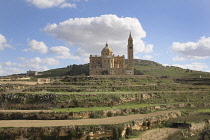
{"points": [[106, 49]]}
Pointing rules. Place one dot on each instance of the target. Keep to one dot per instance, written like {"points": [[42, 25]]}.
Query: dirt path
{"points": [[25, 111], [157, 134], [109, 120], [19, 82]]}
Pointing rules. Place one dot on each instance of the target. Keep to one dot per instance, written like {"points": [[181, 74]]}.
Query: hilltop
{"points": [[142, 67]]}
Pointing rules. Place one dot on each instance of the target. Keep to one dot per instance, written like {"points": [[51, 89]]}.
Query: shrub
{"points": [[205, 134], [109, 114], [95, 115], [138, 72], [72, 134], [129, 131], [88, 138], [117, 131]]}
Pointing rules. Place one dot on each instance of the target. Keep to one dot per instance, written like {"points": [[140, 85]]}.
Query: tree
{"points": [[79, 70], [138, 72]]}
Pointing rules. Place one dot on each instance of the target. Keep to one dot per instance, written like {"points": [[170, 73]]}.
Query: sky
{"points": [[47, 34]]}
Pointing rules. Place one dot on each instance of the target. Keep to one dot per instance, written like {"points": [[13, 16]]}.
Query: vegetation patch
{"points": [[101, 108]]}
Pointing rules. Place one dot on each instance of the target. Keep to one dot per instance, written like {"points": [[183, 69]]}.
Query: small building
{"points": [[43, 80], [32, 73], [109, 64]]}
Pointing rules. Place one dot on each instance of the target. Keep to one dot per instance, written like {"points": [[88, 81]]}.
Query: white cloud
{"points": [[37, 46], [8, 71], [177, 58], [80, 0], [193, 50], [45, 61], [63, 52], [83, 54], [65, 5], [50, 61], [3, 43], [9, 64], [165, 65], [50, 3], [90, 34], [36, 63], [147, 57], [194, 66], [147, 48]]}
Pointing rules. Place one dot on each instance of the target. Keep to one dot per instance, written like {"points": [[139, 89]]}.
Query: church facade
{"points": [[109, 64]]}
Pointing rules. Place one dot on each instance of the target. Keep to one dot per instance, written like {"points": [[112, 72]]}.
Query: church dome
{"points": [[106, 51]]}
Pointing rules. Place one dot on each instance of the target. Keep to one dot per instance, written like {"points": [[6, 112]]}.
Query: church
{"points": [[109, 64]]}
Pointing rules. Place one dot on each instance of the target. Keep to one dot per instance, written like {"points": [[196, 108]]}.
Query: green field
{"points": [[98, 108]]}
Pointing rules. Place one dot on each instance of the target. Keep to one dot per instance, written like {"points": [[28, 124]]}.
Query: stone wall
{"points": [[50, 100], [91, 114], [46, 101]]}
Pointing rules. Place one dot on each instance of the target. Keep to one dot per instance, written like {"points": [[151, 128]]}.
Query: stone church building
{"points": [[109, 64]]}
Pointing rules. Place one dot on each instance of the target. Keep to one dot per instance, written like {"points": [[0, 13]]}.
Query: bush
{"points": [[78, 70], [205, 134], [138, 72], [129, 131], [117, 132], [95, 115], [109, 114], [72, 134]]}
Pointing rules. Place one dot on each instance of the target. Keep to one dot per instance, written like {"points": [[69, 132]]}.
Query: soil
{"points": [[18, 82], [48, 123], [24, 111], [157, 134]]}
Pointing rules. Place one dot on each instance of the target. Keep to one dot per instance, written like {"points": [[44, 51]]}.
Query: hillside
{"points": [[71, 70], [63, 108], [144, 67], [157, 70]]}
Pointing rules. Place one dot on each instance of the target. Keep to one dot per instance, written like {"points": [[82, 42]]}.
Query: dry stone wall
{"points": [[51, 100], [91, 114]]}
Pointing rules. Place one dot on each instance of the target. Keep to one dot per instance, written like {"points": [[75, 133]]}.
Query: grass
{"points": [[203, 110], [179, 136], [55, 72], [89, 93], [98, 108], [191, 116], [197, 110], [171, 72]]}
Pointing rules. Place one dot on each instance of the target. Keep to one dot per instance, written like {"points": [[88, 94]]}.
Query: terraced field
{"points": [[98, 107]]}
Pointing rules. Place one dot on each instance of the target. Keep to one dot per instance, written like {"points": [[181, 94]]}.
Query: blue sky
{"points": [[46, 34]]}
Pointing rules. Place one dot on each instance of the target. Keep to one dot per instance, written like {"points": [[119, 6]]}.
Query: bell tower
{"points": [[130, 51]]}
